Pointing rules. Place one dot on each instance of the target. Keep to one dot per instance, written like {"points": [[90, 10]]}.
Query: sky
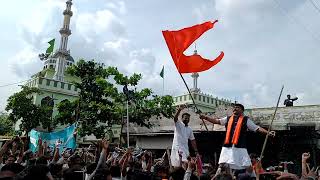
{"points": [[267, 44]]}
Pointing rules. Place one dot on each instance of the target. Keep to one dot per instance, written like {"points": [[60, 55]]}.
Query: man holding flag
{"points": [[178, 41], [234, 151]]}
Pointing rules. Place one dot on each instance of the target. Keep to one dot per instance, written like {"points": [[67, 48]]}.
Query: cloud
{"points": [[116, 45], [94, 25], [119, 6], [25, 63], [141, 61]]}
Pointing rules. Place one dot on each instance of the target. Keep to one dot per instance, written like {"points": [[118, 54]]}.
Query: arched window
{"points": [[47, 101]]}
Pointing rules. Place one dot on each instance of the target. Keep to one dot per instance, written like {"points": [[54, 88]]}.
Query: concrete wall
{"points": [[52, 88], [205, 102], [154, 142], [287, 117]]}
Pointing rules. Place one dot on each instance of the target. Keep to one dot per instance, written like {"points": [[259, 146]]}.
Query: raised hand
{"points": [[40, 141], [14, 144], [272, 133], [58, 143], [202, 116], [182, 106], [105, 144], [305, 156], [192, 164]]}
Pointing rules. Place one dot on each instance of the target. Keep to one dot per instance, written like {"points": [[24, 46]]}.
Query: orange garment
{"points": [[178, 41], [236, 133]]}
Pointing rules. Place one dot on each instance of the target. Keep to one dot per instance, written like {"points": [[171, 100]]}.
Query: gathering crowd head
{"points": [[102, 160]]}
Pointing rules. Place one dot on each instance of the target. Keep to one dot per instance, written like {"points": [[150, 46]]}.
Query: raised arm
{"points": [[304, 158], [124, 164], [150, 162], [194, 146], [210, 119], [102, 159], [56, 152], [4, 148], [40, 148], [21, 154], [179, 109], [264, 131]]}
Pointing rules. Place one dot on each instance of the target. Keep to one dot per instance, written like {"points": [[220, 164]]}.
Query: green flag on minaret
{"points": [[162, 72], [50, 48]]}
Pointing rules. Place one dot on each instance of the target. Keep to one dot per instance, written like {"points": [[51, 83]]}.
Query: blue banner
{"points": [[65, 136]]}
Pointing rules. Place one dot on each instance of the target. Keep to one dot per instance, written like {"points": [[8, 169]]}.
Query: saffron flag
{"points": [[178, 41], [50, 48], [162, 72], [199, 166]]}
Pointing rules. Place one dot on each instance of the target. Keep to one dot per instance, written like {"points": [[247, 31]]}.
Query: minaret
{"points": [[62, 51], [195, 79]]}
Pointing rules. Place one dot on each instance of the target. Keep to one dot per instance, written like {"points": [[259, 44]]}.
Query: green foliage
{"points": [[6, 126], [101, 104], [67, 112], [20, 107]]}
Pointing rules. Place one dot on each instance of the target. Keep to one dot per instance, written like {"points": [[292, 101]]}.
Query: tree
{"points": [[6, 126], [20, 107], [101, 104]]}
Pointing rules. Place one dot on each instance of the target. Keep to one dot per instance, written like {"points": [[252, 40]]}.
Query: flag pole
{"points": [[163, 86], [269, 128], [195, 105]]}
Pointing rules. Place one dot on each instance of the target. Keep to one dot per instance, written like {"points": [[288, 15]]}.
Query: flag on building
{"points": [[162, 72], [51, 47]]}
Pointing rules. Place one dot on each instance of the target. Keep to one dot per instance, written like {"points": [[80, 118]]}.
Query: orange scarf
{"points": [[237, 131]]}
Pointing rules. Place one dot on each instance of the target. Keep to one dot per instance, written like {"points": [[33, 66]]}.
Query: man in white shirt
{"points": [[182, 133], [234, 151]]}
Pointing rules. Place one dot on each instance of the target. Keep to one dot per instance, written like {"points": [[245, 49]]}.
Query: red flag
{"points": [[179, 41]]}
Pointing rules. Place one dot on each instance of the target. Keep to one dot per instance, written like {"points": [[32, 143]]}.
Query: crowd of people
{"points": [[105, 161]]}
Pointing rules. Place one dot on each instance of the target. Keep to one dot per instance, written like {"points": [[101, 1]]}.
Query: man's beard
{"points": [[185, 122]]}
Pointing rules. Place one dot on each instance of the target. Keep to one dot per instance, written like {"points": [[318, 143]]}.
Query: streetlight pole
{"points": [[128, 122], [128, 96]]}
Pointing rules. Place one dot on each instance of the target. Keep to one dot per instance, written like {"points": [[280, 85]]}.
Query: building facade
{"points": [[54, 84], [204, 102]]}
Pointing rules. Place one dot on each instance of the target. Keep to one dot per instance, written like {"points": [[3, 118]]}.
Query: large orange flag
{"points": [[179, 41]]}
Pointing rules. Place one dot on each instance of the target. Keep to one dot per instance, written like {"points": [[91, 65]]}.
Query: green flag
{"points": [[50, 48], [162, 72]]}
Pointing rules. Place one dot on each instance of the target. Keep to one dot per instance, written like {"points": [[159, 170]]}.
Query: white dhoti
{"points": [[236, 158], [175, 159]]}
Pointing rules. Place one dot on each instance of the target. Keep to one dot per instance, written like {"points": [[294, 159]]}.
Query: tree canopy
{"points": [[6, 126], [21, 107], [102, 102], [102, 99]]}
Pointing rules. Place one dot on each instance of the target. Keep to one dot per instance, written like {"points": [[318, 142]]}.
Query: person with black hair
{"points": [[289, 102], [234, 151], [12, 167], [177, 174], [102, 174], [182, 133], [38, 172]]}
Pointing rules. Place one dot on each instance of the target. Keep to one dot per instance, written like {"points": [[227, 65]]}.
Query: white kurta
{"points": [[236, 158], [180, 143]]}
